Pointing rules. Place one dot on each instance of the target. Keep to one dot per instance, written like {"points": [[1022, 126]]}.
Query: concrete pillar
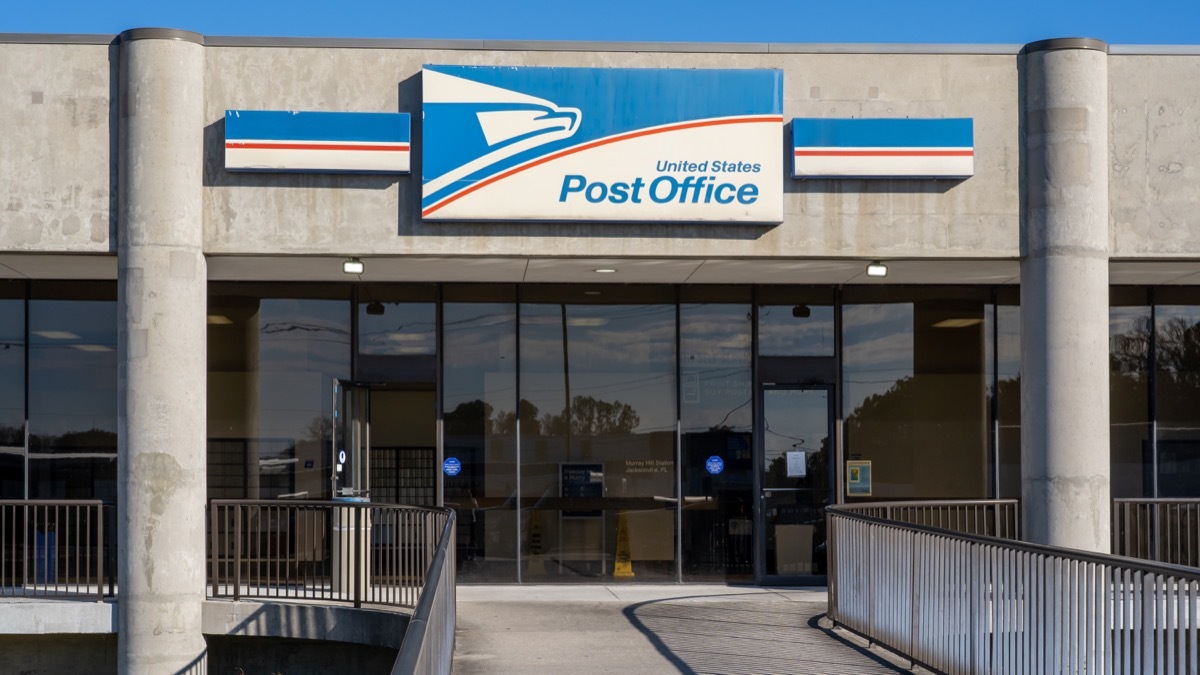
{"points": [[161, 301], [1064, 295]]}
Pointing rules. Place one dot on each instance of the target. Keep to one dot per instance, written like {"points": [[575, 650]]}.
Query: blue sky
{"points": [[915, 21]]}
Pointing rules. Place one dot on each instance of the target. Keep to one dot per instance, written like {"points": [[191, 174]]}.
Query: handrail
{"points": [[428, 645], [357, 552], [1162, 529], [972, 603], [54, 549]]}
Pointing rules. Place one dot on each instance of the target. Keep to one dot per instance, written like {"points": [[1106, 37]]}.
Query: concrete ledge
{"points": [[328, 623], [376, 627], [57, 617]]}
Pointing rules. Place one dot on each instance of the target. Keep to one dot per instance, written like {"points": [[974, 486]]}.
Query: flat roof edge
{"points": [[57, 38], [582, 46]]}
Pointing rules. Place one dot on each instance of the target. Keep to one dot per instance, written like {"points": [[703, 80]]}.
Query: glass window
{"points": [[273, 353], [12, 390], [73, 391], [397, 333], [795, 322], [1002, 334], [598, 435], [479, 394], [1176, 392], [914, 390], [716, 416], [1129, 328]]}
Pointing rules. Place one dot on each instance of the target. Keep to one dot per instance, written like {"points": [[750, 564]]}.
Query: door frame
{"points": [[761, 577]]}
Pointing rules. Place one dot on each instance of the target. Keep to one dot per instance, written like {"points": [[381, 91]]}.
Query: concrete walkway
{"points": [[653, 629]]}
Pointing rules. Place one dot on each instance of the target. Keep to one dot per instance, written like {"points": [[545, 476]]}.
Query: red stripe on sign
{"points": [[302, 146], [884, 153], [596, 144]]}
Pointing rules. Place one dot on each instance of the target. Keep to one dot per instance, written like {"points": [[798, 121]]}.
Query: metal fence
{"points": [[54, 549], [968, 603], [428, 646], [1163, 530], [362, 553], [990, 517]]}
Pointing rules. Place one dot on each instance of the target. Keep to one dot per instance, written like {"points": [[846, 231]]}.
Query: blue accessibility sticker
{"points": [[715, 465], [451, 466]]}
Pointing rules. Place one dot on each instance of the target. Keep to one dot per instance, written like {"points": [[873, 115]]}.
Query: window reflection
{"points": [[914, 390], [795, 322], [273, 353], [1129, 329], [1177, 390], [12, 390], [598, 440], [479, 422], [73, 391], [716, 419], [1002, 335]]}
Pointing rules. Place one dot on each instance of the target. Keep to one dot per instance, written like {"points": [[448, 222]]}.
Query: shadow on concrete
{"points": [[728, 635]]}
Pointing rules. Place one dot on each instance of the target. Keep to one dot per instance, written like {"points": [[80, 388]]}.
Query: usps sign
{"points": [[582, 144]]}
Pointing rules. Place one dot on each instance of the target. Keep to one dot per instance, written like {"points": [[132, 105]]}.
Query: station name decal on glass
{"points": [[649, 466], [601, 144]]}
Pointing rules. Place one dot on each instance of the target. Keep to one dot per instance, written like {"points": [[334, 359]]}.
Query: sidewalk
{"points": [[652, 629]]}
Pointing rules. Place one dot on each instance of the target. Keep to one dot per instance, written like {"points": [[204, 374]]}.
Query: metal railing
{"points": [[428, 646], [990, 517], [968, 603], [361, 553], [54, 549], [1163, 530]]}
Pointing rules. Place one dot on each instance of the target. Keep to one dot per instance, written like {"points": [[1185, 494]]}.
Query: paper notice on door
{"points": [[797, 464]]}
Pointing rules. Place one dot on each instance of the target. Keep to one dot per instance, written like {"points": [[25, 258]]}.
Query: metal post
{"points": [[237, 552]]}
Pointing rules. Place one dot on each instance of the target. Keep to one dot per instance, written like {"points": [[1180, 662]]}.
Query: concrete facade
{"points": [[1085, 177]]}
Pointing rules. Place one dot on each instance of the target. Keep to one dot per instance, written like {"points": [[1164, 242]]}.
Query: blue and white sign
{"points": [[452, 466], [317, 142], [584, 144], [714, 465], [883, 148]]}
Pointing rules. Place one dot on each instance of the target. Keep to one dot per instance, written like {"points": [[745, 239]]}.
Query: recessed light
{"points": [[605, 270], [56, 334], [957, 323], [877, 269], [92, 348], [591, 292], [353, 266]]}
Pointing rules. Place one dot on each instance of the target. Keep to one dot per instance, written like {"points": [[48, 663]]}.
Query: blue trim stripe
{"points": [[883, 133], [281, 125]]}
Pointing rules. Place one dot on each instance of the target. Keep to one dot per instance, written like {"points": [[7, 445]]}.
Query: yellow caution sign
{"points": [[623, 566]]}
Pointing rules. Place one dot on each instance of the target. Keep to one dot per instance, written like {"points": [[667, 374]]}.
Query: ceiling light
{"points": [[801, 311], [877, 269], [587, 321], [591, 292], [605, 270], [353, 266], [219, 320], [56, 334], [92, 348], [957, 323], [375, 308]]}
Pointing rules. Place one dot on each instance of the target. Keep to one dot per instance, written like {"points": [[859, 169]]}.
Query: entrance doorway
{"points": [[385, 443], [795, 478]]}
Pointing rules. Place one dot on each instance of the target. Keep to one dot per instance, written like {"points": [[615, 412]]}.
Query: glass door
{"points": [[351, 441], [795, 480]]}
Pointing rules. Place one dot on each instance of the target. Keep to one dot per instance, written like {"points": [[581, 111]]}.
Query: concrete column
{"points": [[1064, 295], [161, 302]]}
